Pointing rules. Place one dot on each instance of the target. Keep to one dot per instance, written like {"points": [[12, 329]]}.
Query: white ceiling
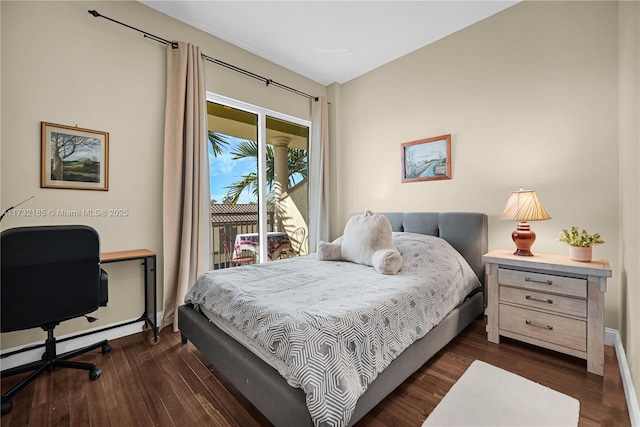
{"points": [[329, 41]]}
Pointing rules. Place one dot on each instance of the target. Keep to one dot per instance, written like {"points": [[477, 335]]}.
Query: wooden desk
{"points": [[150, 296], [150, 293]]}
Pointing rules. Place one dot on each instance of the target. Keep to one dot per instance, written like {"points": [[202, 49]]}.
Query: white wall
{"points": [[629, 272], [61, 65], [530, 97]]}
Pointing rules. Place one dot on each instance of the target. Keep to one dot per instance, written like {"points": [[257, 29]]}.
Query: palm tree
{"points": [[296, 159], [218, 143]]}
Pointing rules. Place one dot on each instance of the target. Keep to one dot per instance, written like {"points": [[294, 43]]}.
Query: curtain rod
{"points": [[210, 59]]}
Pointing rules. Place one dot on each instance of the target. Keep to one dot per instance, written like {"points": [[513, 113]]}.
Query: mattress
{"points": [[331, 327], [248, 343]]}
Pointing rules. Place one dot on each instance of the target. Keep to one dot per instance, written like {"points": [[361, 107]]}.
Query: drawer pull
{"points": [[546, 282], [538, 325], [548, 301]]}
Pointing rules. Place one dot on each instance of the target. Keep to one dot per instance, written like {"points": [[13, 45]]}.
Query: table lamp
{"points": [[523, 205]]}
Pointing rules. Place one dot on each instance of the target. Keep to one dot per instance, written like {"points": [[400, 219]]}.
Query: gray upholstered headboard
{"points": [[467, 232]]}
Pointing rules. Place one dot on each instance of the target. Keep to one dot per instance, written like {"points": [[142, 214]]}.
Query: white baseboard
{"points": [[612, 337], [74, 344]]}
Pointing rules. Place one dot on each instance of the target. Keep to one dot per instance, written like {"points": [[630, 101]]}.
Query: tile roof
{"points": [[225, 212]]}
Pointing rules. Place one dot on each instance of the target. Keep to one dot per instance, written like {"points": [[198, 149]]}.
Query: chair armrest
{"points": [[104, 288]]}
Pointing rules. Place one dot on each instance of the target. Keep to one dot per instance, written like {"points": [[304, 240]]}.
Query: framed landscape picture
{"points": [[427, 159], [74, 158]]}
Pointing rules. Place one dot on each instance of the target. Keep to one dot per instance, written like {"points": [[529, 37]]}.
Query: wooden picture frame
{"points": [[427, 159], [74, 158]]}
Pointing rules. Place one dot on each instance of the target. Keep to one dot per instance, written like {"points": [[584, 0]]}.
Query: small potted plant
{"points": [[580, 243]]}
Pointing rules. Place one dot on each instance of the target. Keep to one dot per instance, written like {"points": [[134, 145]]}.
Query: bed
{"points": [[268, 390]]}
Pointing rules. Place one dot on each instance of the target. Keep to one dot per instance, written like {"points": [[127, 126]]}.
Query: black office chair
{"points": [[50, 274]]}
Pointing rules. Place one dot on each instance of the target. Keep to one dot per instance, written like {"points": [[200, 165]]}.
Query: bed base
{"points": [[284, 405]]}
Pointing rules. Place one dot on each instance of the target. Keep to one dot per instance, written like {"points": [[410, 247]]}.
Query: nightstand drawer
{"points": [[556, 303], [543, 282], [559, 330]]}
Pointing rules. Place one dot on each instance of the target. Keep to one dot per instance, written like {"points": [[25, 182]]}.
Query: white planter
{"points": [[579, 253]]}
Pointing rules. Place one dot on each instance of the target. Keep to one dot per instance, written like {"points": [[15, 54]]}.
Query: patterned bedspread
{"points": [[337, 325]]}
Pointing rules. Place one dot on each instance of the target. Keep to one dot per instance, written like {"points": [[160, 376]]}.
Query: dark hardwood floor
{"points": [[173, 385]]}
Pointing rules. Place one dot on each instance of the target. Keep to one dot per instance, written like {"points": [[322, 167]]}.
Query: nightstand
{"points": [[549, 301]]}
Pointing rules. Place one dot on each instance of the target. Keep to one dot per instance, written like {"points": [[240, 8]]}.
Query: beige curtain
{"points": [[319, 173], [185, 198]]}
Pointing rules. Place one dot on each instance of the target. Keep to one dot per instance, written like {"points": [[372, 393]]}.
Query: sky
{"points": [[430, 151], [86, 151], [224, 171]]}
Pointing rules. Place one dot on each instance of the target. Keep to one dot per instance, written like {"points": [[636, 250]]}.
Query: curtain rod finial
{"points": [[94, 13]]}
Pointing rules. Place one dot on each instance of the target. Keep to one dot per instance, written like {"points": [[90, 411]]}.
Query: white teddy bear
{"points": [[366, 240]]}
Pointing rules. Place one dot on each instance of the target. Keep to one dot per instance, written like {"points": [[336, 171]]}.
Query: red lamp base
{"points": [[523, 237]]}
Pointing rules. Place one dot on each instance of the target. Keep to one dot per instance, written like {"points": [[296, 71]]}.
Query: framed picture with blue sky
{"points": [[74, 158], [426, 159]]}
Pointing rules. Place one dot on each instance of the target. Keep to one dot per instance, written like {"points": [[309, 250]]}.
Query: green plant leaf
{"points": [[579, 237]]}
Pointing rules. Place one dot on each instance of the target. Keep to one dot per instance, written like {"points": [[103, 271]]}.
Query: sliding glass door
{"points": [[259, 183]]}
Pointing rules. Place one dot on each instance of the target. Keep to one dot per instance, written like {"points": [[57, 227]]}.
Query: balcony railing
{"points": [[227, 221], [230, 229]]}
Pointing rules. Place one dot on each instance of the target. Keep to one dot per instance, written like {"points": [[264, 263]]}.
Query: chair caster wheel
{"points": [[6, 406], [95, 374], [106, 349], [154, 341]]}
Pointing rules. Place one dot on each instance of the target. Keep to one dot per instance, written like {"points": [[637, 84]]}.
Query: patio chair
{"points": [[231, 256], [298, 238]]}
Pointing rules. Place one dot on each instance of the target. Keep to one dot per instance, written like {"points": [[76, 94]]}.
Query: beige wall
{"points": [[61, 65], [629, 75], [531, 98]]}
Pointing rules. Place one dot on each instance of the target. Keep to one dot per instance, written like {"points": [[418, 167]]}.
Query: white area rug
{"points": [[489, 396]]}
